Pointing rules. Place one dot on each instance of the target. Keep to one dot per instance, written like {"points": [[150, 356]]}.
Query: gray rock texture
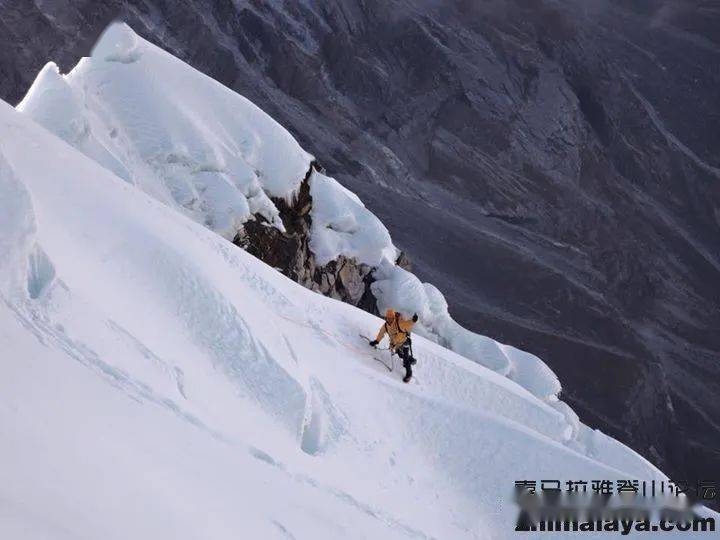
{"points": [[343, 279], [552, 166]]}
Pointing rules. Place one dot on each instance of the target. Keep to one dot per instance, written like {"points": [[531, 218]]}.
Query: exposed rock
{"points": [[403, 261], [343, 279]]}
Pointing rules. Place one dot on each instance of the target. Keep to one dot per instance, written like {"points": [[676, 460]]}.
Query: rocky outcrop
{"points": [[289, 252]]}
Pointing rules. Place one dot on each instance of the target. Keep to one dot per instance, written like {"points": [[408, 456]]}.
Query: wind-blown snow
{"points": [[174, 132], [401, 290], [211, 154], [341, 225], [159, 382], [17, 226]]}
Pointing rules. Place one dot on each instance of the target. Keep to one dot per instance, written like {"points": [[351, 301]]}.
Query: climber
{"points": [[398, 330]]}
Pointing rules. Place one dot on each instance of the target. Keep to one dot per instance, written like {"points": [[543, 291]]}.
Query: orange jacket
{"points": [[396, 327]]}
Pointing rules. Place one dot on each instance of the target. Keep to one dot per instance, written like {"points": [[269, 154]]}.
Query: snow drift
{"points": [[158, 381], [182, 137], [211, 154]]}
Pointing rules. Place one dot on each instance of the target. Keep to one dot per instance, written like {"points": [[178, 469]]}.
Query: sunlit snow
{"points": [[159, 382]]}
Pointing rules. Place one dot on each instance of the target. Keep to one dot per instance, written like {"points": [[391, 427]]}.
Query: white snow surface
{"points": [[214, 156], [341, 225], [172, 131], [159, 382], [223, 379], [401, 290]]}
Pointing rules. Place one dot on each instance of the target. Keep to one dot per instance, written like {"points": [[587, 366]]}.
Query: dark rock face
{"points": [[551, 166], [343, 279]]}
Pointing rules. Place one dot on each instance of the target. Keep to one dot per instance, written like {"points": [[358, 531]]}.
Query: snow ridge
{"points": [[225, 396], [178, 135], [210, 153], [216, 377]]}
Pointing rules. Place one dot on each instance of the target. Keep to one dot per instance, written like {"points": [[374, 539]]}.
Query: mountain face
{"points": [[215, 157], [550, 166], [159, 382]]}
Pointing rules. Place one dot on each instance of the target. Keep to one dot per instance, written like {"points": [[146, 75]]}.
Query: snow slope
{"points": [[214, 156], [159, 382], [178, 135]]}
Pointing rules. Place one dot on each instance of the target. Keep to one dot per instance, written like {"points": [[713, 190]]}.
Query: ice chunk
{"points": [[118, 44], [160, 124], [341, 225]]}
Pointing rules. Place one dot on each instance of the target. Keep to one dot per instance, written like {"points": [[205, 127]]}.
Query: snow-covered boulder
{"points": [[341, 225]]}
